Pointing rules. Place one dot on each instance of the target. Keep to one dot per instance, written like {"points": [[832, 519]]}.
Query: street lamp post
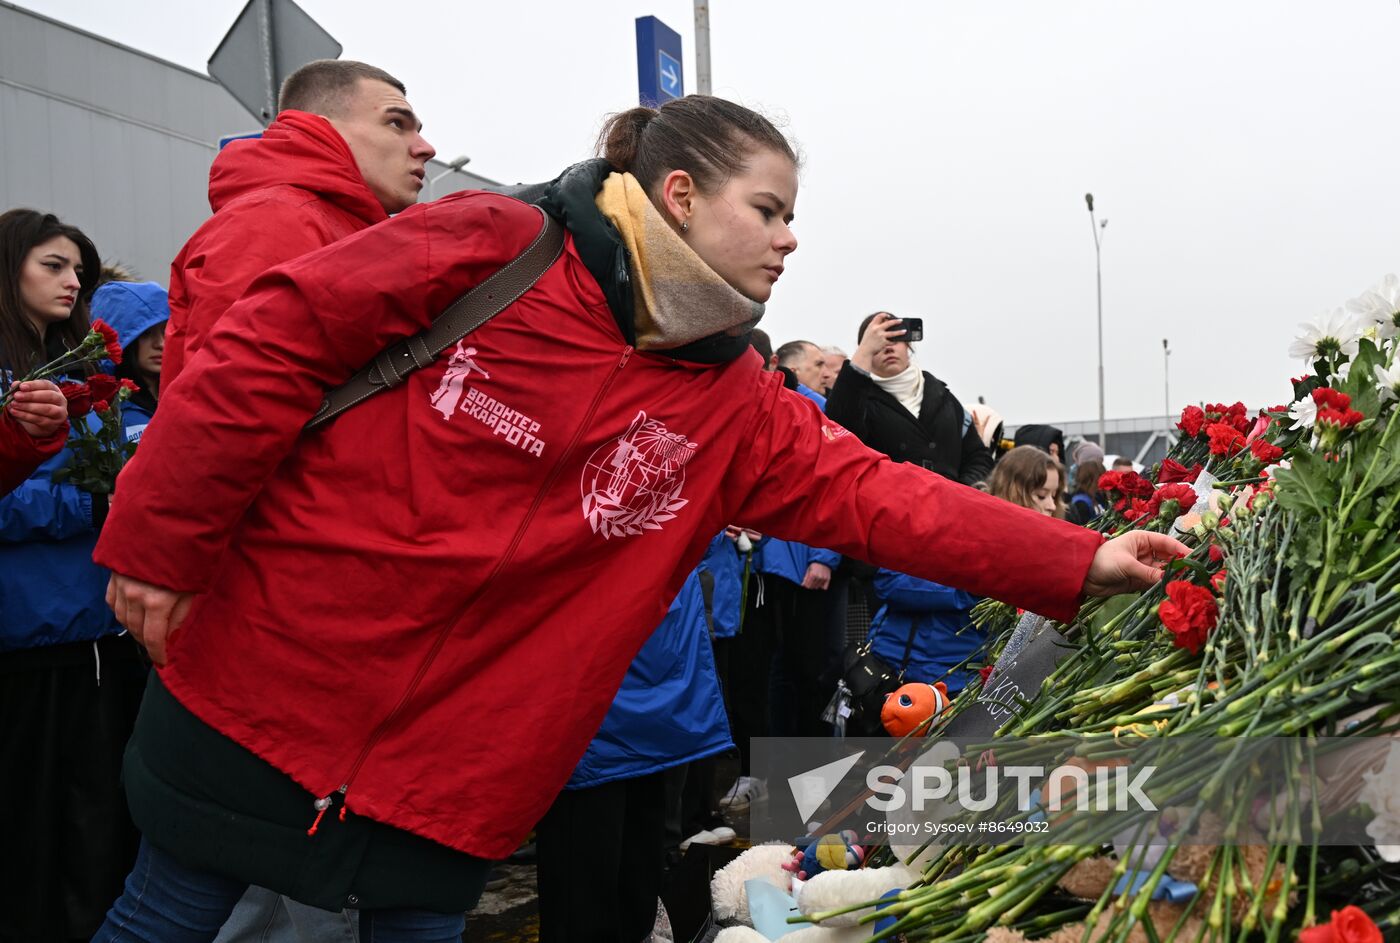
{"points": [[1167, 388], [452, 168], [1095, 226], [702, 46]]}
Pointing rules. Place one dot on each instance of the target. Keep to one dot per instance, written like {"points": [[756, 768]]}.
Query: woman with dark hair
{"points": [[70, 679], [385, 644], [1086, 501], [895, 407], [138, 312]]}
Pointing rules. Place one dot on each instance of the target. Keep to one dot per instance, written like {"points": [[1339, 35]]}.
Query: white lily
{"points": [[1389, 381], [1333, 332], [1303, 413], [1379, 307]]}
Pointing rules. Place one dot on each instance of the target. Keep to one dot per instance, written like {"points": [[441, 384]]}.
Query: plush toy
{"points": [[829, 853], [831, 889], [913, 704]]}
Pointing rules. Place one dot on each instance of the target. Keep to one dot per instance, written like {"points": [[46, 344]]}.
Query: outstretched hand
{"points": [[1131, 562], [149, 612]]}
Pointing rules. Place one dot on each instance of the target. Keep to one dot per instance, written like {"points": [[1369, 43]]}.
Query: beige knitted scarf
{"points": [[678, 298]]}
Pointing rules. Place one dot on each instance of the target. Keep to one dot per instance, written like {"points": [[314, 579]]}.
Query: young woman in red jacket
{"points": [[394, 637]]}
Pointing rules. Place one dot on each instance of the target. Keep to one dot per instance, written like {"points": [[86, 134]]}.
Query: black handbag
{"points": [[866, 680]]}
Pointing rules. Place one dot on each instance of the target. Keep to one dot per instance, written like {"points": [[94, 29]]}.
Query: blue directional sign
{"points": [[660, 77]]}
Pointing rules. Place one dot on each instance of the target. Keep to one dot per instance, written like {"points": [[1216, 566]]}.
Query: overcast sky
{"points": [[1243, 152]]}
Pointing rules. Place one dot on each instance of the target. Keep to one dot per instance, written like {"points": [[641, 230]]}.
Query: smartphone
{"points": [[913, 329]]}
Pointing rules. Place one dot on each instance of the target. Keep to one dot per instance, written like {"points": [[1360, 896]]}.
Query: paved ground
{"points": [[511, 911]]}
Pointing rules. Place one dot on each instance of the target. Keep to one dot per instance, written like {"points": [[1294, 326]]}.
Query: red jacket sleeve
{"points": [[21, 453], [216, 268], [302, 329], [802, 477]]}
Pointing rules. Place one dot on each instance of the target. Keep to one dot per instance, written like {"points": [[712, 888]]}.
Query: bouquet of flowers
{"points": [[99, 444], [1283, 622], [99, 447]]}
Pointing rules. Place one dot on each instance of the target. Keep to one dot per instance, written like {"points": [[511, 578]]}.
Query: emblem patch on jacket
{"points": [[634, 482], [455, 395]]}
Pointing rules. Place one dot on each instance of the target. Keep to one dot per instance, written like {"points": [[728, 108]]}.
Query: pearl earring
{"points": [[685, 225]]}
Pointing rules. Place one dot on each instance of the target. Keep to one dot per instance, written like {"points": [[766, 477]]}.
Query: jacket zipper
{"points": [[324, 803]]}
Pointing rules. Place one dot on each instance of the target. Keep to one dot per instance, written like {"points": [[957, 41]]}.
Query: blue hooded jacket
{"points": [[937, 614], [669, 709], [132, 309]]}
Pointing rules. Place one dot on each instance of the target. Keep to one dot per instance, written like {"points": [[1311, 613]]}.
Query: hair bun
{"points": [[621, 137]]}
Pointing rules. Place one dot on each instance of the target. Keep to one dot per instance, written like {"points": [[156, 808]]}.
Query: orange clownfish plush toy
{"points": [[912, 705]]}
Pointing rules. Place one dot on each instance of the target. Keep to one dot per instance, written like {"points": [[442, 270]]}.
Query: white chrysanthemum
{"points": [[1334, 331], [1303, 413], [1389, 380], [1379, 307], [1382, 794]]}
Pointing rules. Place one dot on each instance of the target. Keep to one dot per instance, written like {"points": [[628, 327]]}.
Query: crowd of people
{"points": [[388, 649]]}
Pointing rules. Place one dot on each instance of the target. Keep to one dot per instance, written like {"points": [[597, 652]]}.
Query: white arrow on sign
{"points": [[669, 75]]}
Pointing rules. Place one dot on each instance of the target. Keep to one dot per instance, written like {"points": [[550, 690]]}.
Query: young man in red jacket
{"points": [[345, 151]]}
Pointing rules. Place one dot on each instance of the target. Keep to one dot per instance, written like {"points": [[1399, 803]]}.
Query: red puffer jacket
{"points": [[427, 606], [294, 190]]}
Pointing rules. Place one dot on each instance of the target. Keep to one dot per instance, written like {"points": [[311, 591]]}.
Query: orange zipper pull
{"points": [[321, 804]]}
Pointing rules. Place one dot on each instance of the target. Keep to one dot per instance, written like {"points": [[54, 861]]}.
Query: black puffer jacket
{"points": [[939, 439]]}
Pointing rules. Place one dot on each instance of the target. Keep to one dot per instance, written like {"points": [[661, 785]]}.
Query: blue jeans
{"points": [[166, 902]]}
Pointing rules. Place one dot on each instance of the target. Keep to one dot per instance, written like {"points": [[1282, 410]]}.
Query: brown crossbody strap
{"points": [[394, 363]]}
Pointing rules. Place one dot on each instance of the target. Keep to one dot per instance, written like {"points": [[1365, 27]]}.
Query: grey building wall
{"points": [[114, 141]]}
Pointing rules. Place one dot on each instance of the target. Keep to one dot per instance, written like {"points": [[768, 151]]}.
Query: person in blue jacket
{"points": [[924, 629], [137, 311], [809, 608], [70, 679], [601, 845]]}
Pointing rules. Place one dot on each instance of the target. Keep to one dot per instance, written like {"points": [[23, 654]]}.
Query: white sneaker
{"points": [[745, 791], [710, 836]]}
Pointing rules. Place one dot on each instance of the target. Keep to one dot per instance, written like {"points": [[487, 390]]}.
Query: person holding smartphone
{"points": [[896, 408]]}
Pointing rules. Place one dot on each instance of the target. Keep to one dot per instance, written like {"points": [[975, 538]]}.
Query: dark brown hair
{"points": [[1021, 472], [860, 331], [322, 87], [1087, 475], [21, 347], [709, 138]]}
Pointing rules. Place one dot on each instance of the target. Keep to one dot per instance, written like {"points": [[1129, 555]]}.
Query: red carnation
{"points": [[1224, 439], [1215, 554], [1217, 581], [1266, 452], [984, 673], [79, 398], [1135, 485], [109, 340], [1133, 508], [130, 385], [1193, 419], [1189, 612], [103, 386], [1325, 397], [1183, 494], [1111, 481], [1173, 471], [101, 406], [1349, 925]]}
